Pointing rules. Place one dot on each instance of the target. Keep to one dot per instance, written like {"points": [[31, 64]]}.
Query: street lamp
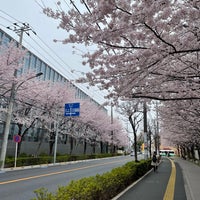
{"points": [[9, 116]]}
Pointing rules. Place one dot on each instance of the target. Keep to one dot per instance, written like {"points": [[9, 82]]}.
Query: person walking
{"points": [[154, 161]]}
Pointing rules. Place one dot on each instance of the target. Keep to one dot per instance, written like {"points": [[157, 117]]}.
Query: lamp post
{"points": [[9, 116]]}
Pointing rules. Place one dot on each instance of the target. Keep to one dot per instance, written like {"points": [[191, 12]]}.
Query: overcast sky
{"points": [[57, 55]]}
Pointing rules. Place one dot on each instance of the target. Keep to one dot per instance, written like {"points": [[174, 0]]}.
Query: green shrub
{"points": [[42, 193], [43, 158], [99, 187], [23, 155]]}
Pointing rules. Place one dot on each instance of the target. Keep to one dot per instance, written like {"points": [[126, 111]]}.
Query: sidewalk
{"points": [[153, 186], [191, 175]]}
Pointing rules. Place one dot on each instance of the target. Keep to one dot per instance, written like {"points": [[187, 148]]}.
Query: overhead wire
{"points": [[3, 25], [61, 66], [9, 16], [5, 19], [72, 78], [54, 54]]}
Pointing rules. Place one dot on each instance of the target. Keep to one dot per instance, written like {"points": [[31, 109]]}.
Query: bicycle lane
{"points": [[165, 184]]}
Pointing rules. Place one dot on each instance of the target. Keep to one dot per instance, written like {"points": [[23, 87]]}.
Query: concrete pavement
{"points": [[157, 186], [191, 175]]}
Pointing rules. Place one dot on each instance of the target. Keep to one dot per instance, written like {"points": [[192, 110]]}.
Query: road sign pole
{"points": [[16, 147], [17, 139], [56, 141]]}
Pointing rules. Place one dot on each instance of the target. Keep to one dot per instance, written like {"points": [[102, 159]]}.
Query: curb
{"points": [[130, 186], [46, 165], [133, 184]]}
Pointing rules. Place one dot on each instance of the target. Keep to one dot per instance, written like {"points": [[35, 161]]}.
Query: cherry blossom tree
{"points": [[132, 110], [180, 124], [143, 49], [11, 79], [40, 103], [11, 61], [43, 103], [139, 49], [35, 101], [95, 124], [119, 136]]}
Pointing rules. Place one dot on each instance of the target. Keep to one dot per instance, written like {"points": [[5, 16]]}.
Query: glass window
{"points": [[52, 75], [59, 78], [43, 70], [47, 75], [26, 62], [1, 35], [56, 76], [32, 62], [38, 65], [5, 39]]}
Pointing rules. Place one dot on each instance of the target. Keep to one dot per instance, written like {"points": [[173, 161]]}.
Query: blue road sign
{"points": [[72, 109]]}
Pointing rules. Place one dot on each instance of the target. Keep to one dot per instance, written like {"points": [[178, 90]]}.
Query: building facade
{"points": [[35, 136]]}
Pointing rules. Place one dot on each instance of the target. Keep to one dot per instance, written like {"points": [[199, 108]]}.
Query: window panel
{"points": [[38, 65], [26, 62], [32, 62], [43, 70], [52, 75], [5, 39], [47, 75]]}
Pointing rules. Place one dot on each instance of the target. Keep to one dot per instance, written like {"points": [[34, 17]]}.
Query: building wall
{"points": [[30, 143], [31, 148]]}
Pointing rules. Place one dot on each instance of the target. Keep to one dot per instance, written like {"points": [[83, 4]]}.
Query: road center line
{"points": [[169, 193], [54, 173]]}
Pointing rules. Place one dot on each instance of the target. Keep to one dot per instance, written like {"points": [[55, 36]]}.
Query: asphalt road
{"points": [[20, 184]]}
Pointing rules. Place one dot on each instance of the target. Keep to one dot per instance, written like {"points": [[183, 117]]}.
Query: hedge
{"points": [[99, 187], [25, 160]]}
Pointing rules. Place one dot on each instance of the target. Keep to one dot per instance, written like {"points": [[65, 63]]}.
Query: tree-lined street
{"points": [[20, 184], [144, 54], [143, 51]]}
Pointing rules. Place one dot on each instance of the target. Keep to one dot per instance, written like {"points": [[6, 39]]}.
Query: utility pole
{"points": [[19, 30], [112, 147], [145, 131], [157, 138]]}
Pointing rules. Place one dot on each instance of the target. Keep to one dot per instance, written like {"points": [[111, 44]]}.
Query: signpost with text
{"points": [[72, 109]]}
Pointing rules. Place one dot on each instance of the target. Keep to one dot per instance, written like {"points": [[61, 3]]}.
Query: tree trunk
{"points": [[135, 137], [40, 141], [85, 146], [106, 147], [101, 146], [71, 144], [93, 148], [51, 143], [19, 133]]}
